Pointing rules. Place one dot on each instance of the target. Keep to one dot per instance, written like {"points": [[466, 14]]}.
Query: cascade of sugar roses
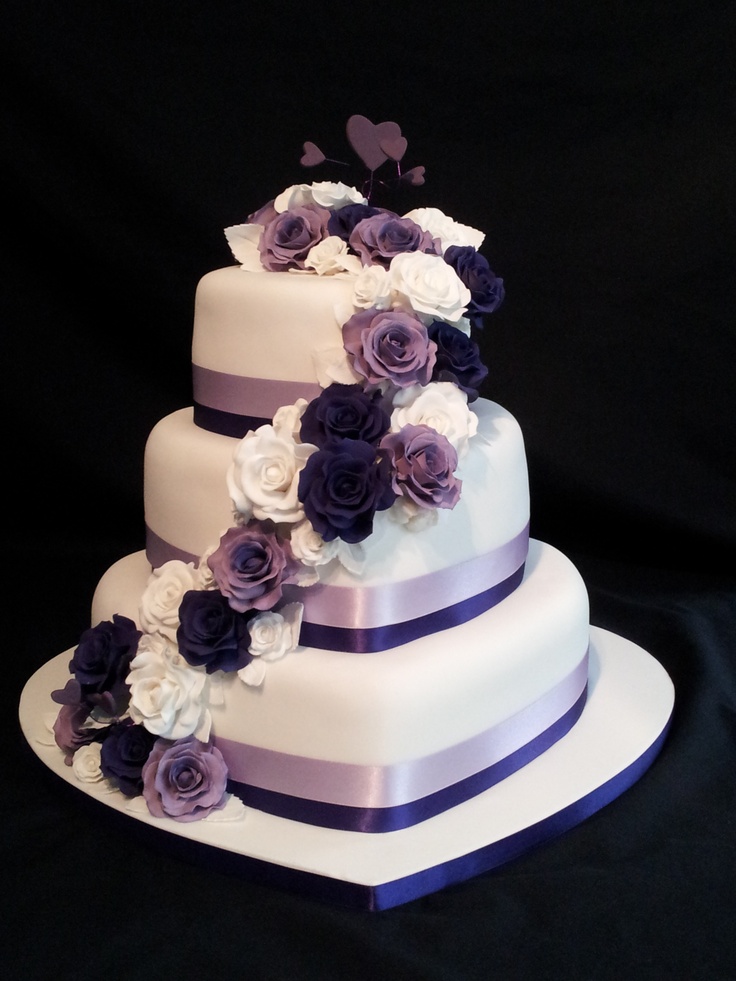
{"points": [[383, 441]]}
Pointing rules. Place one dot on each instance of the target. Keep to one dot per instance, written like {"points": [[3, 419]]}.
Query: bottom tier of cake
{"points": [[620, 731], [378, 742]]}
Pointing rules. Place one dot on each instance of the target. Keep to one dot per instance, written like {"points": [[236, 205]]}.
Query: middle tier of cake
{"points": [[187, 507]]}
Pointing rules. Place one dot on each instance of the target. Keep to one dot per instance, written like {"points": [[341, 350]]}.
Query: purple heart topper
{"points": [[312, 155], [394, 148], [415, 176], [365, 138]]}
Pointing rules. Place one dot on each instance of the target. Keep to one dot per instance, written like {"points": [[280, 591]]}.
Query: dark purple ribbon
{"points": [[226, 423]]}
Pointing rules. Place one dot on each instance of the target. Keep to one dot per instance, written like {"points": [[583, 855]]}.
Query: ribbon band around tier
{"points": [[366, 619], [232, 405], [378, 799]]}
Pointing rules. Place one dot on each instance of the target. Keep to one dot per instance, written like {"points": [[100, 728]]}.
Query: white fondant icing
{"points": [[410, 701], [266, 324]]}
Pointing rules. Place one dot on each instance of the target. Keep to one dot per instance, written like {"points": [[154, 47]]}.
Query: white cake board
{"points": [[629, 706]]}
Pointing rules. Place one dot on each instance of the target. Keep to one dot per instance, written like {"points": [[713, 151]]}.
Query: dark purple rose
{"points": [[70, 731], [101, 660], [251, 565], [486, 289], [343, 220], [379, 238], [388, 345], [123, 754], [211, 633], [458, 358], [342, 488], [286, 240], [184, 780], [424, 462], [344, 412]]}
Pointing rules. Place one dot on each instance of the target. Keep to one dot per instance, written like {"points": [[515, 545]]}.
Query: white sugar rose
{"points": [[167, 695], [335, 194], [310, 547], [446, 229], [86, 764], [327, 194], [274, 634], [428, 286], [331, 256], [205, 577], [159, 606], [441, 405], [263, 478], [372, 288], [294, 196], [413, 517]]}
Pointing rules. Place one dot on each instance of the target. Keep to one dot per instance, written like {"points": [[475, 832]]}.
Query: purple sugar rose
{"points": [[70, 731], [343, 220], [123, 754], [486, 289], [211, 633], [378, 238], [286, 240], [424, 462], [389, 345], [344, 412], [458, 359], [185, 780], [251, 565], [343, 487], [101, 660]]}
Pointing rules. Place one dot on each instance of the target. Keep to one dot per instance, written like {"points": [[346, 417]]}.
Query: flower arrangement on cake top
{"points": [[386, 436], [394, 416]]}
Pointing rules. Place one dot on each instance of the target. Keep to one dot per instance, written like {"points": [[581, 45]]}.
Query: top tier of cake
{"points": [[255, 339]]}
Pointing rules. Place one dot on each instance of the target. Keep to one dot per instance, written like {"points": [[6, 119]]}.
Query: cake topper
{"points": [[374, 144]]}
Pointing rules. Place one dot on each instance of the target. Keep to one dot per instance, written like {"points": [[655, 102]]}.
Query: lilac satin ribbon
{"points": [[377, 799], [372, 640], [233, 404], [368, 619], [407, 599]]}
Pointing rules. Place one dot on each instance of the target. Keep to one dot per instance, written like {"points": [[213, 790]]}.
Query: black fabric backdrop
{"points": [[595, 147]]}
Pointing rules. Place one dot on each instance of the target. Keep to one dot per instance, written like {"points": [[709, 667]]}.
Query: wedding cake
{"points": [[341, 659]]}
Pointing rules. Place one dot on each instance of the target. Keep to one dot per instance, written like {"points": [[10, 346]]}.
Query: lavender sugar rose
{"points": [[185, 780], [389, 345]]}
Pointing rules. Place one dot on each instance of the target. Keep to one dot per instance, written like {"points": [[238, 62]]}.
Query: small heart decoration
{"points": [[388, 130], [394, 147], [415, 176], [312, 155], [363, 138]]}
